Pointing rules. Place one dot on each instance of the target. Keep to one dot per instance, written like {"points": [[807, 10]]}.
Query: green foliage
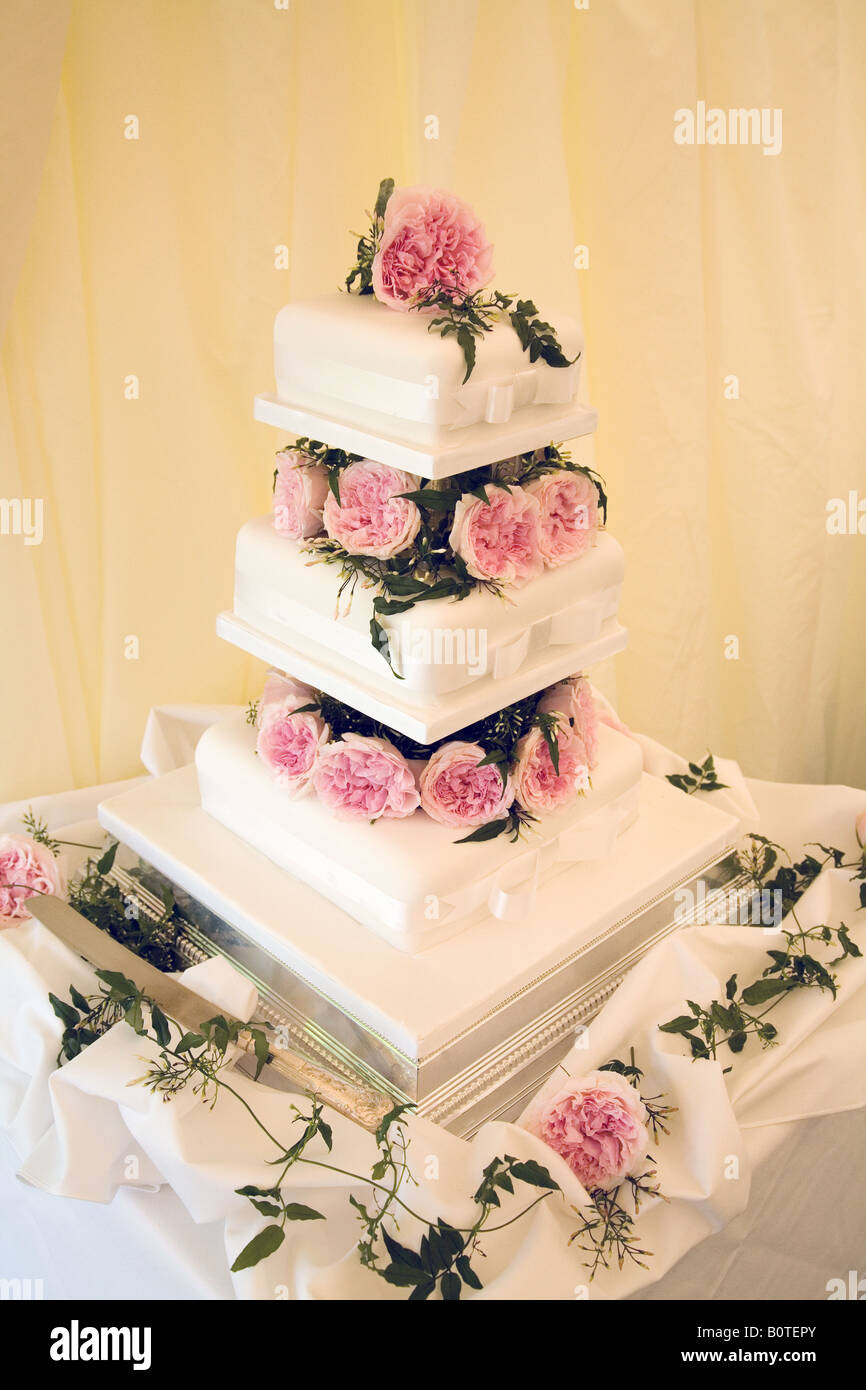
{"points": [[467, 318], [742, 1013], [98, 898], [701, 777], [360, 277]]}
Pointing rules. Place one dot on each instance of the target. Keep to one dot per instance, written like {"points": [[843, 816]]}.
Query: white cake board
{"points": [[419, 1004], [473, 447], [384, 700]]}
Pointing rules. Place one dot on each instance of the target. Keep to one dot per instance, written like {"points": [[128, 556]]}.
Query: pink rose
{"points": [[371, 518], [429, 238], [286, 688], [598, 1124], [569, 515], [456, 791], [290, 743], [499, 539], [538, 787], [26, 867], [300, 490], [574, 699], [362, 778]]}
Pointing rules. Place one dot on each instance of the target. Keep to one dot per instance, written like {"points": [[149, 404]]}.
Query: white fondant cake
{"points": [[350, 357], [436, 647], [407, 879]]}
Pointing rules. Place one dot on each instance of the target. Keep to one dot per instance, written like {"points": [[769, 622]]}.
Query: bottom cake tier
{"points": [[411, 880], [469, 1028]]}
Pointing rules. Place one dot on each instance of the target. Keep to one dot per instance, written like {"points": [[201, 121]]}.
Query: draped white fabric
{"points": [[83, 1132], [156, 258]]}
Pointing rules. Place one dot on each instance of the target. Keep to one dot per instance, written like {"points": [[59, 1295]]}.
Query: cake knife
{"points": [[357, 1102]]}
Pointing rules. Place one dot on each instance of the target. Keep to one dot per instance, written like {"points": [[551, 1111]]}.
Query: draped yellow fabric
{"points": [[194, 163]]}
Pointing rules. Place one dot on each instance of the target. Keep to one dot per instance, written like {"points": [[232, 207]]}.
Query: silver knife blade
{"points": [[363, 1104]]}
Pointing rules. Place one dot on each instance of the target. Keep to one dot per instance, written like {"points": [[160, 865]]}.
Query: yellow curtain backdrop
{"points": [[150, 185]]}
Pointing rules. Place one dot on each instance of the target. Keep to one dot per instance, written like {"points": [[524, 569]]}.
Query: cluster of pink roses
{"points": [[371, 517], [26, 867], [508, 539], [518, 531], [364, 777]]}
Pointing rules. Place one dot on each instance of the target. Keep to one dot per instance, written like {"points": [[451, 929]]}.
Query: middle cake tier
{"points": [[448, 663]]}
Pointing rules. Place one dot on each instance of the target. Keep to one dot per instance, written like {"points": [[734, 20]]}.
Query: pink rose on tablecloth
{"points": [[26, 867], [456, 791], [598, 1124], [569, 515], [429, 238], [290, 743], [360, 777], [538, 787], [300, 490], [371, 518], [574, 699], [499, 539]]}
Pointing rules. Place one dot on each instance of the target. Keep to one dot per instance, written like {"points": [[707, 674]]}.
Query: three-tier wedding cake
{"points": [[428, 766]]}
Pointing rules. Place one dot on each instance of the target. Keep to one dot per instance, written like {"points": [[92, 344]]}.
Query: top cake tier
{"points": [[364, 377]]}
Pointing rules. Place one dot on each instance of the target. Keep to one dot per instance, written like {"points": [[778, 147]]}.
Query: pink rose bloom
{"points": [[456, 791], [371, 518], [569, 515], [285, 688], [573, 698], [429, 238], [363, 778], [26, 867], [499, 539], [299, 495], [290, 743], [598, 1124], [537, 786]]}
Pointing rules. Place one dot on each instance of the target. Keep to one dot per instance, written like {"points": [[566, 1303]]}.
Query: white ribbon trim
{"points": [[491, 401]]}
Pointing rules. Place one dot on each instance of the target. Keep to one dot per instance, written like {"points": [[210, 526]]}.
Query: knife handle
{"points": [[366, 1106]]}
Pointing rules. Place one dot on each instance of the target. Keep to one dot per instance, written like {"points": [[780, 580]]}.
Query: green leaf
{"points": [[386, 188], [160, 1025], [527, 1170], [68, 1016], [467, 1273], [762, 990], [485, 832], [450, 1287], [401, 1254], [327, 1134], [105, 864], [189, 1041], [421, 1292], [120, 985], [731, 987], [404, 1276], [296, 1211], [261, 1048], [259, 1248], [683, 1023], [266, 1208], [737, 1041]]}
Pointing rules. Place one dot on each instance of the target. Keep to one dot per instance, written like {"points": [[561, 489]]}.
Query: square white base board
{"points": [[419, 1005]]}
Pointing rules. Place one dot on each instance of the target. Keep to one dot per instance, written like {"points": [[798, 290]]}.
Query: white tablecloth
{"points": [[794, 1220]]}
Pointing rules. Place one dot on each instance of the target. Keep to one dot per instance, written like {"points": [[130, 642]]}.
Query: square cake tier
{"points": [[464, 1029], [408, 879], [374, 381], [488, 649]]}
